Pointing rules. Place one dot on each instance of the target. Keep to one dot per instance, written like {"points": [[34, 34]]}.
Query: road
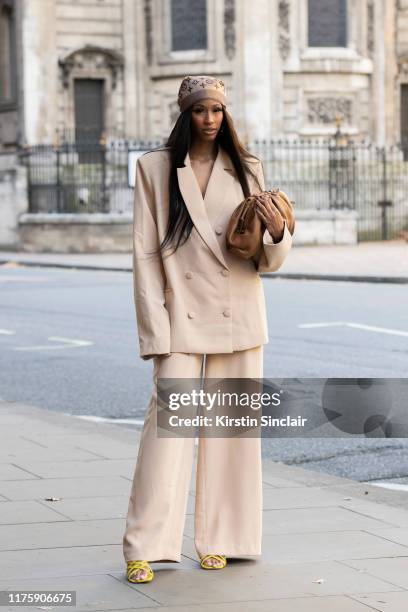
{"points": [[68, 342]]}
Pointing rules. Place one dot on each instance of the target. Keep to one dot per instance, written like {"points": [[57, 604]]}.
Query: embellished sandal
{"points": [[221, 558], [133, 566]]}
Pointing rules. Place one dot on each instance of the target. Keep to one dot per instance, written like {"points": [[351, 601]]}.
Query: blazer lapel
{"points": [[205, 211], [219, 184]]}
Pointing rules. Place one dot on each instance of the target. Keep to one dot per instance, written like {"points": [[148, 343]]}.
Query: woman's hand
{"points": [[271, 217]]}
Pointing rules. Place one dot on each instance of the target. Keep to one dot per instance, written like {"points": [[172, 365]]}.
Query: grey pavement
{"points": [[375, 261], [329, 543]]}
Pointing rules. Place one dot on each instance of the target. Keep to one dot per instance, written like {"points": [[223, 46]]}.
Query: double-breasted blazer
{"points": [[200, 298]]}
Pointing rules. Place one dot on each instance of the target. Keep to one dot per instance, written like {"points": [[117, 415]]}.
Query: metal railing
{"points": [[92, 176], [320, 174], [81, 177]]}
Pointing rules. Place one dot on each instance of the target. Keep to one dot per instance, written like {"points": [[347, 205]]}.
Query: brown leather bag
{"points": [[245, 229]]}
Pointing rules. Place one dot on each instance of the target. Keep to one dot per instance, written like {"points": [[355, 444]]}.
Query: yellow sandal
{"points": [[133, 566], [221, 558]]}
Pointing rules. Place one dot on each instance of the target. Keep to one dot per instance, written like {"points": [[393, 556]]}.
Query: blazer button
{"points": [[188, 275], [218, 230], [227, 312], [191, 314], [224, 272]]}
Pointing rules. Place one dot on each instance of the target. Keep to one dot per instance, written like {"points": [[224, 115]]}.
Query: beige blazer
{"points": [[200, 299]]}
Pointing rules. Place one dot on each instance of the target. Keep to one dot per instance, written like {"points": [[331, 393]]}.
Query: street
{"points": [[69, 343]]}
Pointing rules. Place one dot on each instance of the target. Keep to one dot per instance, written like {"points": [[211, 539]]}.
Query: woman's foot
{"points": [[139, 571], [213, 562]]}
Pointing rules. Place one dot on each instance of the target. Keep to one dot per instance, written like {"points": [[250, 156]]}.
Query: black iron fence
{"points": [[81, 177], [72, 177], [356, 176]]}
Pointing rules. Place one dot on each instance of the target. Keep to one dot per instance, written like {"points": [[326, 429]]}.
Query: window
{"points": [[6, 52], [327, 23], [188, 25]]}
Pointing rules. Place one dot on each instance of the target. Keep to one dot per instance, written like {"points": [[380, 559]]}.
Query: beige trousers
{"points": [[228, 501]]}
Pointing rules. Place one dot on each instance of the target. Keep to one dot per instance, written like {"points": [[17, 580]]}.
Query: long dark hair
{"points": [[179, 224]]}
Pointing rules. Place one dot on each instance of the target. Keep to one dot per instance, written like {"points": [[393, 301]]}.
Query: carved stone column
{"points": [[390, 72], [383, 94], [131, 17], [260, 68], [40, 77]]}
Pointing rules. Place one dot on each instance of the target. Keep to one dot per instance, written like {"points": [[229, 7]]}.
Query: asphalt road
{"points": [[68, 342]]}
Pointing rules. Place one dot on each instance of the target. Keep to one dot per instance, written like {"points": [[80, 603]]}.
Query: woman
{"points": [[200, 312]]}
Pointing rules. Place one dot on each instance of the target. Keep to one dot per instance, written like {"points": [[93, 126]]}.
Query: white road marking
{"points": [[381, 330], [389, 485], [7, 332], [331, 324], [70, 343], [374, 328], [98, 419], [24, 279], [69, 340]]}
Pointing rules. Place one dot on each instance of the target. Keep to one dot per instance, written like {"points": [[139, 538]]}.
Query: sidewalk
{"points": [[382, 261], [329, 543]]}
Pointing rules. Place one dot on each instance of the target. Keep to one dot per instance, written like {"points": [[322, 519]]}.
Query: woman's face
{"points": [[206, 119]]}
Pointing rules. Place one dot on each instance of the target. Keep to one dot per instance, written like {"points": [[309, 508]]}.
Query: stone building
{"points": [[290, 66]]}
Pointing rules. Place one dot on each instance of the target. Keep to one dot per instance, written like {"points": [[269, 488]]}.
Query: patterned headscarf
{"points": [[195, 88]]}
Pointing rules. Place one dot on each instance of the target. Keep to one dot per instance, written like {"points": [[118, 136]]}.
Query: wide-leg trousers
{"points": [[228, 500]]}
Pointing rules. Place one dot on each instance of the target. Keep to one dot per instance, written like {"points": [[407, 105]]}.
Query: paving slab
{"points": [[57, 534], [340, 545], [280, 474], [310, 604], [391, 601], [28, 512], [49, 563], [393, 569], [96, 468], [63, 487], [391, 534], [255, 581], [96, 592], [329, 543], [397, 517], [8, 471], [91, 508], [300, 497]]}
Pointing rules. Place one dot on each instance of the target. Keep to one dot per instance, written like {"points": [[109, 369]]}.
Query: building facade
{"points": [[291, 67]]}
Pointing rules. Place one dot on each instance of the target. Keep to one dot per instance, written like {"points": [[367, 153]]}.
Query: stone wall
{"points": [[13, 198], [110, 233], [76, 233]]}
